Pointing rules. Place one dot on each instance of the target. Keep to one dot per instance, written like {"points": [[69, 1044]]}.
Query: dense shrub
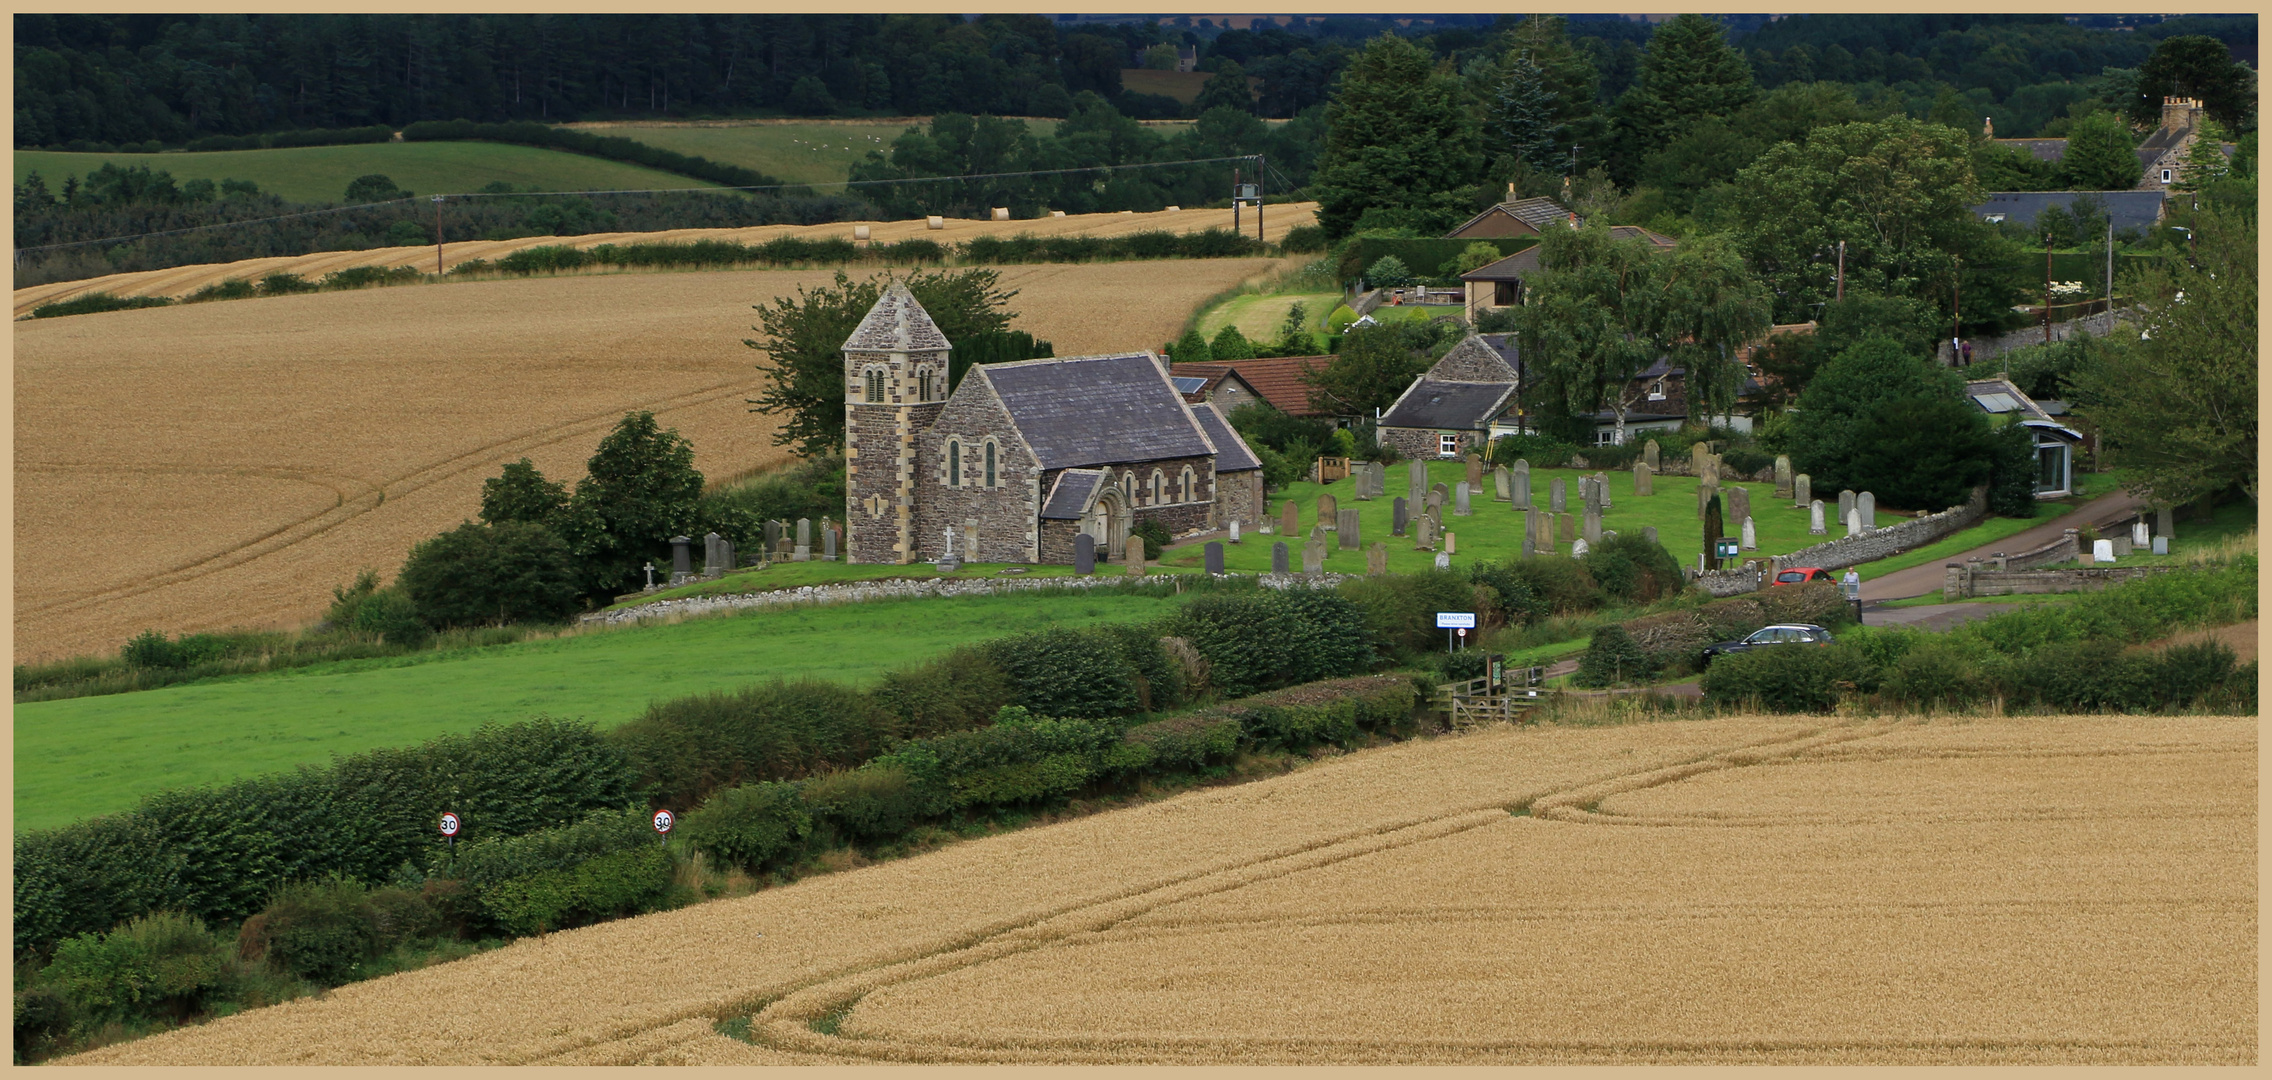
{"points": [[319, 930], [1095, 672], [877, 802], [1399, 610], [1786, 680], [1337, 711], [1563, 584], [386, 614], [162, 962], [683, 749], [1264, 639], [2191, 672], [1630, 566], [1303, 238], [1155, 535], [611, 147], [1934, 673], [1613, 657], [956, 692], [1019, 758], [620, 883], [1541, 451], [475, 574], [750, 825], [363, 277], [95, 302], [1186, 743]]}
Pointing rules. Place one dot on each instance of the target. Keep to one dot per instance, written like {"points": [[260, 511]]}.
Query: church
{"points": [[1023, 456]]}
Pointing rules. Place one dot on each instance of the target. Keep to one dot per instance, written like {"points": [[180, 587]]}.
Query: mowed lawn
{"points": [[1258, 316], [1494, 530], [84, 756], [320, 174]]}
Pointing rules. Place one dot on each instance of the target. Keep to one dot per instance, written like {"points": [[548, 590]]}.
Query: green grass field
{"points": [[318, 174], [816, 153], [1258, 315], [85, 756]]}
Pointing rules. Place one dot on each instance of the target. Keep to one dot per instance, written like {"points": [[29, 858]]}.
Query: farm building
{"points": [[1278, 380], [1023, 456]]}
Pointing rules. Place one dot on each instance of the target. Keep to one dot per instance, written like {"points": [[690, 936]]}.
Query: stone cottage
{"points": [[1449, 410], [1023, 456]]}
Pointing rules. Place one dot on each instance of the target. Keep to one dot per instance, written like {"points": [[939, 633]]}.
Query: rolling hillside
{"points": [[320, 174]]}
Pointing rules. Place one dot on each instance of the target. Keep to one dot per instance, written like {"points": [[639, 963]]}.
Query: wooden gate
{"points": [[1477, 701]]}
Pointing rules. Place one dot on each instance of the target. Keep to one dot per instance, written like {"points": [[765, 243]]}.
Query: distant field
{"points": [[799, 153], [92, 755], [1258, 316], [1184, 86], [322, 173]]}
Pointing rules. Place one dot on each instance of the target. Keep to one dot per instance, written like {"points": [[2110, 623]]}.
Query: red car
{"points": [[1799, 574]]}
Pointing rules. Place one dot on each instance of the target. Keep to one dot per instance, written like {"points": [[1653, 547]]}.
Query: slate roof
{"points": [[1275, 379], [1437, 405], [1537, 213], [2140, 210], [1093, 410], [2000, 396], [2039, 149], [1070, 496], [1231, 451], [1509, 351], [1523, 263], [897, 324]]}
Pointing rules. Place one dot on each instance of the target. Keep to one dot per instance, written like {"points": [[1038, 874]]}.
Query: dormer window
{"points": [[1657, 390]]}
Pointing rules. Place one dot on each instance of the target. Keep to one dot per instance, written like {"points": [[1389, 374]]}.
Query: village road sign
{"points": [[449, 824], [663, 821], [1447, 620]]}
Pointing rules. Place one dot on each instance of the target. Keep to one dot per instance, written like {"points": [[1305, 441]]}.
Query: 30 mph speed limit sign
{"points": [[664, 821], [449, 824]]}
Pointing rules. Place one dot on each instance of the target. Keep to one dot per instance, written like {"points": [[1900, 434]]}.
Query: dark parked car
{"points": [[1798, 574], [1779, 634]]}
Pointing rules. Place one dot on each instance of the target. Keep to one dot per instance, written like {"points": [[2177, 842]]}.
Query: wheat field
{"points": [[180, 281], [2076, 890], [227, 464]]}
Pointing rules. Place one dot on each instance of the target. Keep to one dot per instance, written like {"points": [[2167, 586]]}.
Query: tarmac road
{"points": [[1920, 580]]}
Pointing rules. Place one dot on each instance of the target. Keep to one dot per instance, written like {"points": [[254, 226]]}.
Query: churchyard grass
{"points": [[85, 756], [320, 174], [790, 575]]}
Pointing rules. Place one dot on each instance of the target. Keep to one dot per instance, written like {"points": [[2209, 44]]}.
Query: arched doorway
{"points": [[1111, 521]]}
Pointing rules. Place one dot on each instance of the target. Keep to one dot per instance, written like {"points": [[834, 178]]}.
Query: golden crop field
{"points": [[180, 281], [227, 464], [1743, 890]]}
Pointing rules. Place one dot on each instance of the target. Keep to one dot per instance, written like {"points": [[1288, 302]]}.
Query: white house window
{"points": [[1447, 445], [2165, 176], [1605, 436], [990, 481], [954, 463], [875, 386]]}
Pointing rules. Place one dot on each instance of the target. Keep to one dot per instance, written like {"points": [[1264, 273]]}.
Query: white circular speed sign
{"points": [[663, 821], [449, 824]]}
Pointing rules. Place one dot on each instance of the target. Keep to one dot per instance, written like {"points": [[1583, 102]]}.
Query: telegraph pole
{"points": [[1235, 227], [437, 236], [2047, 288], [1956, 326], [1260, 163], [1842, 269]]}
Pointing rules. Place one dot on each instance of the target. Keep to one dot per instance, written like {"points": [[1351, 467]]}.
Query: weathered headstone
{"points": [[1234, 530], [1434, 507], [1802, 489], [1586, 497], [1329, 512], [1313, 557], [1133, 555], [772, 535], [1380, 478], [1278, 560], [1415, 481], [726, 547], [1867, 505], [1565, 528], [1845, 503], [1521, 478], [1348, 533], [1443, 493], [827, 545], [1739, 502], [1650, 454], [1782, 476], [1853, 523], [1644, 479], [1649, 533], [1443, 560], [1317, 532], [1601, 491], [1503, 487], [1530, 543], [2161, 545], [1591, 530], [2164, 522], [682, 561], [1704, 494], [1750, 541], [1558, 495], [1460, 507], [1376, 559], [1084, 554], [1579, 547], [1399, 516], [804, 540], [2139, 536], [1214, 557], [1290, 519], [1814, 519], [1474, 472], [1451, 543], [1699, 455], [2102, 550], [1424, 535], [712, 564]]}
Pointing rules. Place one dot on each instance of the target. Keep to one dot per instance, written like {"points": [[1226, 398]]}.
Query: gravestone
{"points": [[1782, 476], [1704, 494], [1290, 519], [1502, 486], [1586, 497], [1521, 478], [2164, 518], [970, 539], [1814, 519], [1317, 532], [1750, 540], [1802, 487], [1867, 505], [1601, 491], [1443, 560], [1278, 563], [1845, 503], [1474, 472], [1592, 528], [1644, 479], [1565, 528], [1451, 543], [1650, 454], [1649, 533], [1853, 523], [1214, 558], [2102, 551], [1442, 492], [1415, 481], [1579, 547], [804, 540], [1329, 512], [2138, 534], [2161, 545], [1362, 480], [2122, 547], [1376, 559], [1459, 506], [1234, 530], [827, 544], [727, 548], [1434, 507], [1349, 530], [1699, 458], [1558, 496], [1424, 535], [682, 561], [1739, 503], [1530, 543], [1313, 557], [1380, 478], [772, 535], [1399, 516], [712, 564], [1133, 555], [1084, 554]]}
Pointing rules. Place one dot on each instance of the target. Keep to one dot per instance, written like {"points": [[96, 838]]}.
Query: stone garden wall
{"points": [[1891, 540], [1977, 579]]}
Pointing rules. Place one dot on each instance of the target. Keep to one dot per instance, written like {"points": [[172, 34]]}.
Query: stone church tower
{"points": [[895, 383]]}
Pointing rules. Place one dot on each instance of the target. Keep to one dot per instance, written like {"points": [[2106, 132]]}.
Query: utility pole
{"points": [[1235, 228], [1260, 163], [1842, 269], [2047, 288], [2110, 271], [1956, 325], [437, 236]]}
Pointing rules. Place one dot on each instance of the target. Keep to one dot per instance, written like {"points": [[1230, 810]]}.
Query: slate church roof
{"points": [[1070, 497], [897, 324], [1231, 451], [1076, 411]]}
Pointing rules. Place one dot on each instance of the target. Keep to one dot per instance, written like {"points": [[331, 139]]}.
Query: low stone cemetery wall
{"points": [[1982, 579], [1891, 540], [1734, 581], [2067, 548], [853, 592]]}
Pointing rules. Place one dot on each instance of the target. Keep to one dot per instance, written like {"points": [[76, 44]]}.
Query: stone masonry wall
{"points": [[1008, 513], [1891, 540], [1422, 443], [1238, 497], [1181, 516], [1964, 581]]}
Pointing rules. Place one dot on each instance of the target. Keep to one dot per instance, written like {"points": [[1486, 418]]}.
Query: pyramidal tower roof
{"points": [[897, 324]]}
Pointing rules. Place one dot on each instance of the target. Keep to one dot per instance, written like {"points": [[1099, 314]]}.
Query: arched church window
{"points": [[875, 386]]}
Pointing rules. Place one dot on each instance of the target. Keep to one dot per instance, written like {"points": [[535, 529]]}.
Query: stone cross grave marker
{"points": [[1802, 489], [1782, 476], [1348, 532], [1750, 541], [1814, 519], [1521, 479], [1084, 554], [1329, 512], [1399, 515], [1278, 561], [1459, 506], [1503, 489], [1866, 505], [1558, 495], [1214, 557], [650, 577], [1644, 479], [1313, 556], [1376, 559], [1650, 454]]}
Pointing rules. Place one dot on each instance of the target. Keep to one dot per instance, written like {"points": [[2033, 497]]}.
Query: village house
{"points": [[1515, 217], [2161, 157], [1023, 456], [2055, 443], [1497, 285], [1280, 381], [1451, 409]]}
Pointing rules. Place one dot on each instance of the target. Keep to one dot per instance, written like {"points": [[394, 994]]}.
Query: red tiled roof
{"points": [[1279, 380]]}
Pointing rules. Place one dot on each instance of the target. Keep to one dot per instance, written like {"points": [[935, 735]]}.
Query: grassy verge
{"points": [[92, 755], [791, 575], [320, 174], [1929, 599], [1988, 531]]}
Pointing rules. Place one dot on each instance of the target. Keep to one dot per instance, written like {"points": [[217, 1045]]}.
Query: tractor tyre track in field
{"points": [[354, 496]]}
